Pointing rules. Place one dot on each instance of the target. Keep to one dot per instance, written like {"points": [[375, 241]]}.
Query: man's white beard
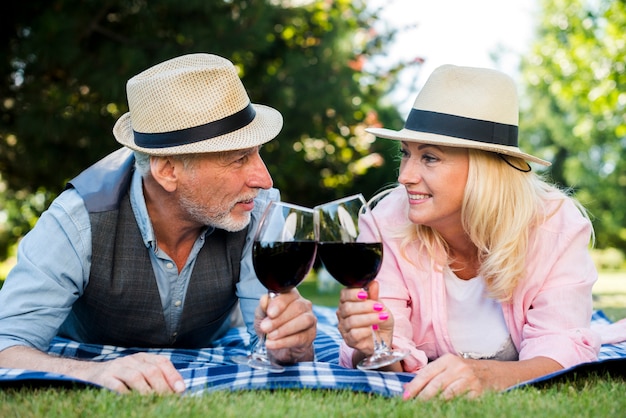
{"points": [[223, 220]]}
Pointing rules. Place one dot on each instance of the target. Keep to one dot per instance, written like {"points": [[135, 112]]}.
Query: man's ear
{"points": [[164, 170]]}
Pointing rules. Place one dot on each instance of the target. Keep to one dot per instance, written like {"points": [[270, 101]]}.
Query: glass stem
{"points": [[260, 351], [379, 344]]}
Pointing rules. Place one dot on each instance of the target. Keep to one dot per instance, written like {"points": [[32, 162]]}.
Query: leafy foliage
{"points": [[576, 78], [66, 62]]}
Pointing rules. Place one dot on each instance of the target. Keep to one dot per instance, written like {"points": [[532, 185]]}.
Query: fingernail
{"points": [[406, 395], [179, 387], [378, 307], [362, 295], [375, 327], [272, 311], [383, 316], [265, 325]]}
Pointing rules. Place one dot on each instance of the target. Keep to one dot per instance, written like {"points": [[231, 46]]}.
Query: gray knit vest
{"points": [[121, 304]]}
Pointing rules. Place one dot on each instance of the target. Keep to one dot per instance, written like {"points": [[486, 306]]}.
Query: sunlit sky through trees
{"points": [[457, 32]]}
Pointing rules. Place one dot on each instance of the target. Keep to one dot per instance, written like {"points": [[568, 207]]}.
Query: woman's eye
{"points": [[429, 158], [404, 153]]}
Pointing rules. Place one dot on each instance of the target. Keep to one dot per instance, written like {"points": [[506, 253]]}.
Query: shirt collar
{"points": [[138, 204]]}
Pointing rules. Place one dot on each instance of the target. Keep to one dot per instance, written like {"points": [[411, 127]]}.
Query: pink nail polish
{"points": [[383, 316], [375, 327], [378, 307], [406, 395], [362, 295]]}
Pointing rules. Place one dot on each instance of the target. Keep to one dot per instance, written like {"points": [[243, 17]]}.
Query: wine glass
{"points": [[283, 253], [353, 261]]}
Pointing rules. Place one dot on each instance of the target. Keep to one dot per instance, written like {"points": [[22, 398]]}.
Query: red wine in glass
{"points": [[352, 260], [353, 264], [281, 266]]}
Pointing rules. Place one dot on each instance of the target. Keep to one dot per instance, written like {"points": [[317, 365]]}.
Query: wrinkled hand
{"points": [[357, 313], [447, 377], [141, 372], [289, 324]]}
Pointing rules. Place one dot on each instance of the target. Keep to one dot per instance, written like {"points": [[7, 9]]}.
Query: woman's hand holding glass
{"points": [[360, 312], [354, 261]]}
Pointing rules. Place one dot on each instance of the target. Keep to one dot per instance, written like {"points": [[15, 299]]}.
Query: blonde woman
{"points": [[486, 277]]}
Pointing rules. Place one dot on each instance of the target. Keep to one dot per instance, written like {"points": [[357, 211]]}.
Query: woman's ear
{"points": [[164, 171]]}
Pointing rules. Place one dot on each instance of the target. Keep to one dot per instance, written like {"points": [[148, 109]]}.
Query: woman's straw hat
{"points": [[465, 107]]}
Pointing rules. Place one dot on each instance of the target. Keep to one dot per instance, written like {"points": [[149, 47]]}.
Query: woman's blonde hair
{"points": [[500, 207]]}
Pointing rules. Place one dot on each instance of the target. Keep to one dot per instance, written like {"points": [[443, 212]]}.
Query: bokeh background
{"points": [[332, 68]]}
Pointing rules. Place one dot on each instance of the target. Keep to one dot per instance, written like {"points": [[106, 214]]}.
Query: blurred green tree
{"points": [[64, 65], [575, 80]]}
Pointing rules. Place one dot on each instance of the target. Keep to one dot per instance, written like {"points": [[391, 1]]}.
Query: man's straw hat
{"points": [[193, 104]]}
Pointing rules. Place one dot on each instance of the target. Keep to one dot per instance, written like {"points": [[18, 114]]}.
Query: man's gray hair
{"points": [[142, 161]]}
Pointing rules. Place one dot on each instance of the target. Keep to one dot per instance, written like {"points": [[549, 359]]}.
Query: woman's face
{"points": [[434, 177]]}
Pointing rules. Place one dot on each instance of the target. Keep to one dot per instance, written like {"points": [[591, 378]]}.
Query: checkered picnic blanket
{"points": [[611, 361], [212, 369]]}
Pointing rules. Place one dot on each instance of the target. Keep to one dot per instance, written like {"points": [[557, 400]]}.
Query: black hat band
{"points": [[462, 127], [197, 133]]}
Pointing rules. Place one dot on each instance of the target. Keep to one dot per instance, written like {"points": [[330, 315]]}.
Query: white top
{"points": [[475, 321]]}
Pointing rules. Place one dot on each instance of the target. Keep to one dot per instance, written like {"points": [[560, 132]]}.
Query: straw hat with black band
{"points": [[465, 107], [194, 103]]}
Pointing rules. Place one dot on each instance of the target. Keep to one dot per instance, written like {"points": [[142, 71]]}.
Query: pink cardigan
{"points": [[550, 312]]}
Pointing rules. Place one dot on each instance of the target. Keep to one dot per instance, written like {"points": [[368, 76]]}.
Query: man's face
{"points": [[218, 189]]}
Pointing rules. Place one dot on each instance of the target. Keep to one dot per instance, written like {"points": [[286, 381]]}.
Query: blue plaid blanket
{"points": [[611, 361], [210, 369]]}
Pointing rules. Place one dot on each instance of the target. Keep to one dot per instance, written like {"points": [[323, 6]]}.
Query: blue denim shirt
{"points": [[54, 261]]}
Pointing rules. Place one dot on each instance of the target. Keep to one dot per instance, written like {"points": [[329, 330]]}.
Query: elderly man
{"points": [[152, 247]]}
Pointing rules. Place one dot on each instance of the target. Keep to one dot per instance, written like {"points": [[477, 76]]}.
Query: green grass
{"points": [[309, 290], [589, 396], [609, 294]]}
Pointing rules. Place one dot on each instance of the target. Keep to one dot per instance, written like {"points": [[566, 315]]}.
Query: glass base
{"points": [[378, 360], [263, 363], [259, 363], [241, 359]]}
